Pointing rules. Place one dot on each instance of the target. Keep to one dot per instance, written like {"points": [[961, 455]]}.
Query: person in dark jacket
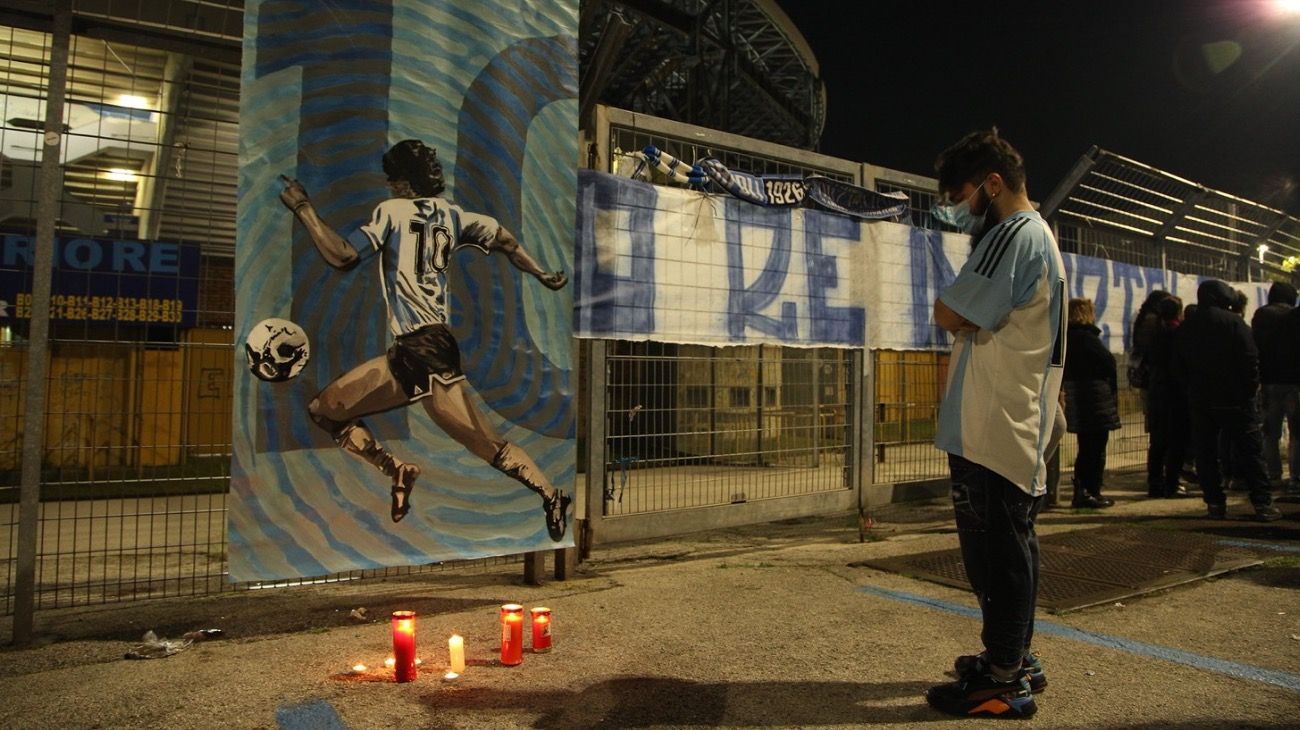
{"points": [[1215, 357], [1279, 384], [1091, 402], [1142, 331], [1167, 401], [1290, 372]]}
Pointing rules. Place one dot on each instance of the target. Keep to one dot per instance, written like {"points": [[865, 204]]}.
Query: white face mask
{"points": [[959, 216]]}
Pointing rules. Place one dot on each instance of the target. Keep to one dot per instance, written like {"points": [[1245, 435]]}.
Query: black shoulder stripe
{"points": [[1003, 243], [992, 244], [1006, 245]]}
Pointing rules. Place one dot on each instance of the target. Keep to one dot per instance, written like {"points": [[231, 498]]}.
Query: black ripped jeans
{"points": [[999, 548]]}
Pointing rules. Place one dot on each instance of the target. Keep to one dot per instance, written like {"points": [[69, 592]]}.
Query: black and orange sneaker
{"points": [[1031, 665], [980, 695]]}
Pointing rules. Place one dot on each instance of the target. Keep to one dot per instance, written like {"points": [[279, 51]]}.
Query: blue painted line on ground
{"points": [[1261, 546], [314, 715], [1198, 661]]}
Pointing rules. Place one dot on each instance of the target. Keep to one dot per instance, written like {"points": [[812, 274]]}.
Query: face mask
{"points": [[959, 216]]}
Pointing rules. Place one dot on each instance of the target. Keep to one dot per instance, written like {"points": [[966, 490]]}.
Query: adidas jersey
{"points": [[414, 238], [1004, 379]]}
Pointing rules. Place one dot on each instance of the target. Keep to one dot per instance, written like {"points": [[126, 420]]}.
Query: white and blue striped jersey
{"points": [[415, 238], [1004, 379]]}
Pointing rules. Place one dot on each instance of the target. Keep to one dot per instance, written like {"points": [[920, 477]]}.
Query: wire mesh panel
{"points": [[1106, 243], [921, 201], [693, 426], [1123, 210], [628, 133], [908, 390], [136, 456]]}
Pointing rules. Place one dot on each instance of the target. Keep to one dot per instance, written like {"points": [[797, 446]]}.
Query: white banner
{"points": [[674, 265]]}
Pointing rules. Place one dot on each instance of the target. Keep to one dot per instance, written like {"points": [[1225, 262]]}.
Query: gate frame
{"points": [[602, 529]]}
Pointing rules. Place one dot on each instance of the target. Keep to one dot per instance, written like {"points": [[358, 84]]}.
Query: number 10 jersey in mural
{"points": [[413, 234]]}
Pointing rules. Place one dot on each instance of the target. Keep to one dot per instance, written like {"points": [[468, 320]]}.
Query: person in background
{"points": [[1141, 333], [1215, 356], [1167, 401], [1230, 470], [1290, 358], [1091, 402], [1006, 311], [1279, 384]]}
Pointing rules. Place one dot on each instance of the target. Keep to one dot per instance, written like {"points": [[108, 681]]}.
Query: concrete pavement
{"points": [[765, 626]]}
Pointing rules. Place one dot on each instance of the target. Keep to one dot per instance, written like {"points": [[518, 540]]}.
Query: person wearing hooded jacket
{"points": [[1167, 403], [1216, 359], [1280, 388], [1091, 402]]}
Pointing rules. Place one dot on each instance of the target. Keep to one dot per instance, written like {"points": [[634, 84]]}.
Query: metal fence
{"points": [[137, 434], [1120, 209], [692, 426], [619, 133], [137, 440]]}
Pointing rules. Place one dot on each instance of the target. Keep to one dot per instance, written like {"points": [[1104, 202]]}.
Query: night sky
{"points": [[1208, 90]]}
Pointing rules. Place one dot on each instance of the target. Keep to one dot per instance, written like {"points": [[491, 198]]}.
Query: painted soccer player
{"points": [[414, 233]]}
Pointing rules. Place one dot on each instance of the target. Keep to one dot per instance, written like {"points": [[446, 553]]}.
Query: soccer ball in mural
{"points": [[276, 349]]}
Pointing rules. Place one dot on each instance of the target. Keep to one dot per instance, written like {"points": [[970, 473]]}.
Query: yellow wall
{"points": [[209, 363], [117, 404], [13, 362], [88, 405]]}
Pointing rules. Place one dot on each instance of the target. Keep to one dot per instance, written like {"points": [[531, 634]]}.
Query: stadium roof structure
{"points": [[739, 66]]}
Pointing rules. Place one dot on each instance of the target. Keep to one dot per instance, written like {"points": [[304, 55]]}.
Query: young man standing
{"points": [[1007, 312]]}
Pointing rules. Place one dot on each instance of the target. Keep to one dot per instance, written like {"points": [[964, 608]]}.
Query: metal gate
{"points": [[689, 437]]}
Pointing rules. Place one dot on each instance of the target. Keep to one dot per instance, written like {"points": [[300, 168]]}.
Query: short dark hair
{"points": [[1169, 309], [978, 155], [416, 163]]}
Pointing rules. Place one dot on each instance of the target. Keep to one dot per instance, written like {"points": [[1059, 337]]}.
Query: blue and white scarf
{"points": [[778, 190]]}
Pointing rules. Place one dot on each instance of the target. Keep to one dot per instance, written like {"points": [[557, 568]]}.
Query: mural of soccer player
{"points": [[414, 234]]}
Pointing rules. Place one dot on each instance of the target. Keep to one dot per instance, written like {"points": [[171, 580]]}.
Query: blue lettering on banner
{"points": [[129, 253], [615, 303], [1134, 282], [97, 254], [932, 272], [745, 305], [841, 325], [99, 279], [81, 253], [1086, 268]]}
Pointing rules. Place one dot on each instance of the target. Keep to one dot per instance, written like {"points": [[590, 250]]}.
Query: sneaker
{"points": [[1030, 665], [980, 695], [556, 508], [1216, 511], [1267, 513], [1088, 501]]}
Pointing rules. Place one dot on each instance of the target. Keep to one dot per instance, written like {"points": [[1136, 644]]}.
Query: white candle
{"points": [[456, 650]]}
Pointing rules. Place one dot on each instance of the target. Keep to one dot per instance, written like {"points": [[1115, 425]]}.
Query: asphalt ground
{"points": [[765, 626]]}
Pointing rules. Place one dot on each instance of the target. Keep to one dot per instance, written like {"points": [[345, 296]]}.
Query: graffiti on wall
{"points": [[403, 395]]}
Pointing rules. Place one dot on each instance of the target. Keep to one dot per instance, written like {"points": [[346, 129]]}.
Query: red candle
{"points": [[404, 646], [512, 634], [541, 630]]}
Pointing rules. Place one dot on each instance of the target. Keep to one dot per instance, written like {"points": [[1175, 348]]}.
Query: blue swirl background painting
{"points": [[327, 87]]}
